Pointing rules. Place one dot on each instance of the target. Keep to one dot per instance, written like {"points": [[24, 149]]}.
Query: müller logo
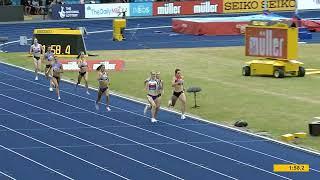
{"points": [[205, 7], [169, 8], [266, 45]]}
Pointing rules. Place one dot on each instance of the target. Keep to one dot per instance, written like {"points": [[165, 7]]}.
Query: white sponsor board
{"points": [[205, 7], [168, 8], [308, 4], [106, 10]]}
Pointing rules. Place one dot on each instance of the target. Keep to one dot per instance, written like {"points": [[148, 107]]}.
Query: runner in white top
{"points": [[160, 89], [104, 83], [57, 69], [152, 88], [48, 59], [83, 70], [36, 51]]}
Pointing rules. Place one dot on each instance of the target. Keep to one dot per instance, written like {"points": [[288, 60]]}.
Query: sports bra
{"points": [[104, 77], [56, 66], [83, 64]]}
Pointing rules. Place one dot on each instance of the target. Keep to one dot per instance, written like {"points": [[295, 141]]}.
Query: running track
{"points": [[43, 138]]}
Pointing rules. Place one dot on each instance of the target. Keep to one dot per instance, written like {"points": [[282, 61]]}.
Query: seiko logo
{"points": [[44, 31], [242, 5], [169, 9], [280, 3], [205, 7], [266, 45]]}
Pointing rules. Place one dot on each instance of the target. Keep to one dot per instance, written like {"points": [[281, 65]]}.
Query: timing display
{"points": [[63, 42]]}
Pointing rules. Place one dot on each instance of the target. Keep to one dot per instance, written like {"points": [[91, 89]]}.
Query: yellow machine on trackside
{"points": [[276, 44], [118, 27]]}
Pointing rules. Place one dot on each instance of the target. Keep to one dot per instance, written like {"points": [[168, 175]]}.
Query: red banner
{"points": [[266, 42], [187, 7], [116, 65]]}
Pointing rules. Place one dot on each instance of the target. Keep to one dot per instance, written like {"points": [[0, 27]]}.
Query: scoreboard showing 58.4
{"points": [[63, 41]]}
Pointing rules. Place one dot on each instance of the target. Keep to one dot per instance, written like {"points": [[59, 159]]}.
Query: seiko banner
{"points": [[237, 6], [187, 7], [308, 4], [68, 11], [106, 10]]}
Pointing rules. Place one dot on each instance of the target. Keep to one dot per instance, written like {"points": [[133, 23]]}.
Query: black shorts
{"points": [[57, 78], [154, 97], [48, 66], [82, 73], [102, 90], [177, 94], [37, 58]]}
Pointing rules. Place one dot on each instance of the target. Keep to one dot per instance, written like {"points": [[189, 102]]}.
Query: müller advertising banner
{"points": [[116, 65], [267, 42], [237, 6], [187, 7], [308, 4]]}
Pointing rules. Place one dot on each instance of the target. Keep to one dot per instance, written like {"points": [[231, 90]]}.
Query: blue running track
{"points": [[43, 138]]}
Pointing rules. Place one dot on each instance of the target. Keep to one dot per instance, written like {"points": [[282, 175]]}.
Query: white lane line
{"points": [[10, 177], [199, 148], [58, 149], [87, 141], [96, 32], [4, 90], [193, 131], [108, 126], [130, 29], [84, 140], [121, 144], [163, 152], [37, 113], [25, 157]]}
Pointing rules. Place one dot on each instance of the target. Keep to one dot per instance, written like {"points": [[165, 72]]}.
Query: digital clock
{"points": [[291, 168], [64, 42]]}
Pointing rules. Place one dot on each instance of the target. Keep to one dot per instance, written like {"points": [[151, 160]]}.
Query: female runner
{"points": [[104, 83], [178, 92]]}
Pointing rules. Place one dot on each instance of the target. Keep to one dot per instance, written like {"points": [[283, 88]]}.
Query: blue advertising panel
{"points": [[141, 9], [68, 11]]}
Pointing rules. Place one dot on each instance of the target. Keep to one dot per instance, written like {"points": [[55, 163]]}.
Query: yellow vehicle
{"points": [[272, 67], [276, 46], [118, 29]]}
